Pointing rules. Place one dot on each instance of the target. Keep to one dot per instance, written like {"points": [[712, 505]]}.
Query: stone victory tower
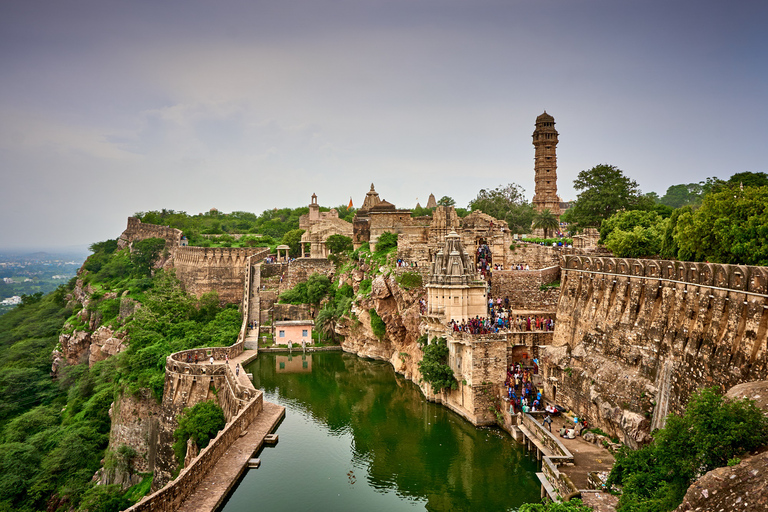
{"points": [[545, 142]]}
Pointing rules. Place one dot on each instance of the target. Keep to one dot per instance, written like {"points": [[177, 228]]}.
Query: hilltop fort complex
{"points": [[620, 341]]}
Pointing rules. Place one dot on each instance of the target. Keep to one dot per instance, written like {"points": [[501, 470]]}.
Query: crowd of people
{"points": [[499, 322], [522, 394], [403, 263]]}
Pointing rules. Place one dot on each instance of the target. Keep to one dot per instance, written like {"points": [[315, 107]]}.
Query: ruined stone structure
{"points": [[545, 141], [635, 338], [137, 230], [315, 216]]}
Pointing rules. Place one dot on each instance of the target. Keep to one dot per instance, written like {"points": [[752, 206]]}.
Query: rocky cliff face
{"points": [[399, 309], [132, 439]]}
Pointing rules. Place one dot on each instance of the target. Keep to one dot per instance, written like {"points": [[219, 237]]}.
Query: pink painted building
{"points": [[294, 331]]}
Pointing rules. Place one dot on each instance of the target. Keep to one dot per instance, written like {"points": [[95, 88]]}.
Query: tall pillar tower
{"points": [[545, 142]]}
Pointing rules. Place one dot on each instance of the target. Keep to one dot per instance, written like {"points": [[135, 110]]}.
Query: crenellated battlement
{"points": [[745, 278]]}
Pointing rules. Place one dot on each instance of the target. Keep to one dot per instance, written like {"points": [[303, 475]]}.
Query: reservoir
{"points": [[357, 436]]}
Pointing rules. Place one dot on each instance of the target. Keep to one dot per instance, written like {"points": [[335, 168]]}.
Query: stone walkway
{"points": [[225, 475]]}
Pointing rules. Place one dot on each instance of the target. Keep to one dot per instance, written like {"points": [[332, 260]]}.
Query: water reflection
{"points": [[293, 364], [365, 438]]}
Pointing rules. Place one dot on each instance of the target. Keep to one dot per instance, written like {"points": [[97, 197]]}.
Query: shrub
{"points": [[434, 366], [387, 241], [711, 432], [410, 280], [378, 326], [201, 423]]}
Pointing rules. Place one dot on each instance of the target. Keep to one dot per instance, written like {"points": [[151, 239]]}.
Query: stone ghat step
{"points": [[254, 463]]}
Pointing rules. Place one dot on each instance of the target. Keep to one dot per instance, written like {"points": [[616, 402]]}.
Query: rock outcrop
{"points": [[399, 309]]}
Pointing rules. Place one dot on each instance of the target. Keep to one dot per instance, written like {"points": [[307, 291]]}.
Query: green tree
{"points": [[144, 253], [386, 242], [338, 244], [446, 201], [678, 196], [712, 431], [434, 366], [200, 423], [293, 240], [326, 323], [506, 203], [748, 179], [547, 221], [605, 190], [731, 226]]}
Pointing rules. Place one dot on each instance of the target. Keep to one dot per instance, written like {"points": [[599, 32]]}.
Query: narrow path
{"points": [[225, 475]]}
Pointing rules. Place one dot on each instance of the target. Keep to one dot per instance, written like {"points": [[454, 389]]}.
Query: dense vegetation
{"points": [[265, 230], [200, 423], [54, 432], [712, 433], [575, 505], [715, 220]]}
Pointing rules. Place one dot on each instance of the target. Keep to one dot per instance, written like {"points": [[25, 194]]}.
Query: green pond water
{"points": [[358, 437]]}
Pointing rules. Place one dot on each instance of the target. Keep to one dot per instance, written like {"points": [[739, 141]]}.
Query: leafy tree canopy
{"points": [[446, 201], [338, 244], [547, 221], [506, 203], [200, 423], [293, 239], [434, 366], [386, 242], [575, 505], [731, 226], [604, 191]]}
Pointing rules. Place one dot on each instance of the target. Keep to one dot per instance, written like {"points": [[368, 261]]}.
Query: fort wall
{"points": [[635, 338], [299, 270], [205, 269], [137, 230], [523, 287]]}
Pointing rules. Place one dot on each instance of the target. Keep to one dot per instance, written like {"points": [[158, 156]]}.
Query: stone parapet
{"points": [[170, 497]]}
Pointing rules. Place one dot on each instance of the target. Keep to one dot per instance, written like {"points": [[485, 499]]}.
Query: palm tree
{"points": [[547, 221], [326, 323]]}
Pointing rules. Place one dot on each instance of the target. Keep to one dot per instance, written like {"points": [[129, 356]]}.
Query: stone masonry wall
{"points": [[523, 288], [536, 256], [137, 230], [299, 270], [635, 338], [205, 269]]}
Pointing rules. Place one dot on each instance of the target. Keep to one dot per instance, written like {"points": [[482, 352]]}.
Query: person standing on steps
{"points": [[211, 359], [548, 422], [237, 369]]}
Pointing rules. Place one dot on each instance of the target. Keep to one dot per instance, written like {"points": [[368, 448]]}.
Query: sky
{"points": [[108, 108]]}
